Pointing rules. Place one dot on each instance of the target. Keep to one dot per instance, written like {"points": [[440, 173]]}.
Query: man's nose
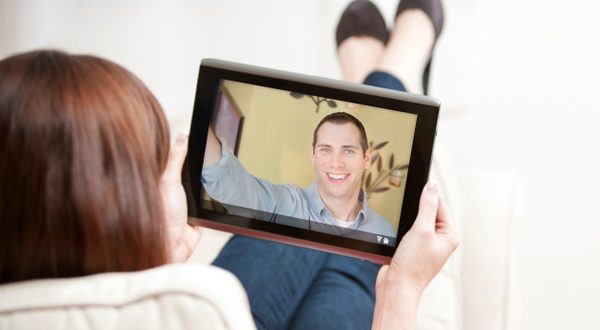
{"points": [[337, 161]]}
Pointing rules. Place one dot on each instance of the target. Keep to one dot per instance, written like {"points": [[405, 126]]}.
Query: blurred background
{"points": [[517, 80]]}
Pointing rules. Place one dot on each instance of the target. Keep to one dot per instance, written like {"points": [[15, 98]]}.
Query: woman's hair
{"points": [[83, 144]]}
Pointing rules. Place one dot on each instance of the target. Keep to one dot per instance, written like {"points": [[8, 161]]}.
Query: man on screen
{"points": [[341, 155]]}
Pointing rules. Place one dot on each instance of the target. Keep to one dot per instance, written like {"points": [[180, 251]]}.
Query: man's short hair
{"points": [[340, 118]]}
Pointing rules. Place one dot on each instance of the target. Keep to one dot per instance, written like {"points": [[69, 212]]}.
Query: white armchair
{"points": [[477, 288], [177, 296]]}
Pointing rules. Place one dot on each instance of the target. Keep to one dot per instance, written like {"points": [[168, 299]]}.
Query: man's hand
{"points": [[181, 237], [419, 257]]}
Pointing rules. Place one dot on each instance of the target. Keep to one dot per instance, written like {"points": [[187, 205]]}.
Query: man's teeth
{"points": [[337, 176]]}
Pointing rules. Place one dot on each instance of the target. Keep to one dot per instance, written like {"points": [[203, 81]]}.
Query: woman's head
{"points": [[83, 145]]}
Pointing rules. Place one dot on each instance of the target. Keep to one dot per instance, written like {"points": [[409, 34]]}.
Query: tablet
{"points": [[308, 161]]}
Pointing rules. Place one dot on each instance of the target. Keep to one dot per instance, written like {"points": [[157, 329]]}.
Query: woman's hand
{"points": [[181, 237], [421, 254]]}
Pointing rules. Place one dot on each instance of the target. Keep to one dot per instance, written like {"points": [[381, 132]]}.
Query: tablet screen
{"points": [[302, 163]]}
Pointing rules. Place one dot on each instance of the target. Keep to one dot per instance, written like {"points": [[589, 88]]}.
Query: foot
{"points": [[409, 48], [359, 56], [361, 36]]}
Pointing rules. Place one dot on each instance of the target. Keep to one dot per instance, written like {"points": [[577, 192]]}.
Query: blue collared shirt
{"points": [[228, 182]]}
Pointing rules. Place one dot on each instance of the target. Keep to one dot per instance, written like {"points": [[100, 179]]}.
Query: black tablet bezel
{"points": [[212, 72]]}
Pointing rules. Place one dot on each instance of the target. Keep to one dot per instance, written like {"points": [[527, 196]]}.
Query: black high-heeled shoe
{"points": [[361, 17], [435, 11]]}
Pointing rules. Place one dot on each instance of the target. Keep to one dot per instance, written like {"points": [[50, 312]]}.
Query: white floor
{"points": [[517, 80]]}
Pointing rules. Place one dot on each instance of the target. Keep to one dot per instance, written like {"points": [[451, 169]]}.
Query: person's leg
{"points": [[342, 296], [384, 79], [275, 276], [409, 48], [404, 57], [361, 35], [358, 56]]}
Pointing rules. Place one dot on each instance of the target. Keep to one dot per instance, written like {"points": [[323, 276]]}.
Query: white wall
{"points": [[529, 104], [518, 81]]}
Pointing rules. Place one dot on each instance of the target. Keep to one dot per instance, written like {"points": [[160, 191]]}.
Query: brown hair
{"points": [[340, 118], [83, 145]]}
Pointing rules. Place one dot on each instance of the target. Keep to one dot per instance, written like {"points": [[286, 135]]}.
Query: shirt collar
{"points": [[362, 214], [318, 205]]}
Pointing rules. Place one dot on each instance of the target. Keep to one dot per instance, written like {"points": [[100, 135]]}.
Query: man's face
{"points": [[339, 160]]}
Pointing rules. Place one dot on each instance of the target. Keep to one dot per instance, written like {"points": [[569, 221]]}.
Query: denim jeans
{"points": [[297, 288]]}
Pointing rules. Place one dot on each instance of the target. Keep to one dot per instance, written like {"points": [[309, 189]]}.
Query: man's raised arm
{"points": [[226, 180]]}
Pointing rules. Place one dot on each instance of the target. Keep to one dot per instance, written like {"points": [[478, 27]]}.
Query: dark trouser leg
{"points": [[385, 80], [275, 276], [341, 297]]}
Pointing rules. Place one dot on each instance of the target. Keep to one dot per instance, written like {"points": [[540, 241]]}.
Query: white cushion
{"points": [[177, 296], [476, 289], [440, 306], [491, 212]]}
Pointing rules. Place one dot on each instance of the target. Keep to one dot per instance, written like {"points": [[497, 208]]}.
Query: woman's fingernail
{"points": [[432, 186], [181, 138]]}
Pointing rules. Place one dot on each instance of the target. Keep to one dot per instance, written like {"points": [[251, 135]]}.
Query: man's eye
{"points": [[325, 150], [349, 151]]}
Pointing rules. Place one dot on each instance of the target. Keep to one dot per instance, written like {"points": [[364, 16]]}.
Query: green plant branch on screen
{"points": [[317, 100]]}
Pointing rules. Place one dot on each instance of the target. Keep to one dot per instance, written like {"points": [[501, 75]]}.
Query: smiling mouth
{"points": [[337, 178]]}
